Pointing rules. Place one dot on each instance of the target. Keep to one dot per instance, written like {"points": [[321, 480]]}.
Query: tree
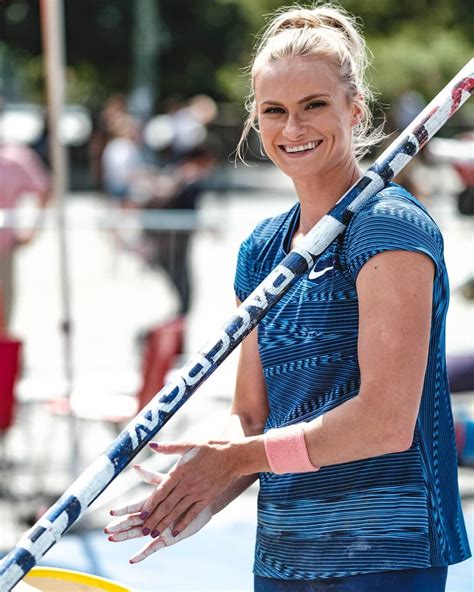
{"points": [[206, 44]]}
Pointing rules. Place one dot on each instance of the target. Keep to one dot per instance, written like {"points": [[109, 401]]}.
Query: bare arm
{"points": [[249, 411], [250, 404], [395, 300]]}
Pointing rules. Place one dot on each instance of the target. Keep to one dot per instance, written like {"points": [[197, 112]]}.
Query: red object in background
{"points": [[163, 344], [460, 435], [466, 172], [10, 351]]}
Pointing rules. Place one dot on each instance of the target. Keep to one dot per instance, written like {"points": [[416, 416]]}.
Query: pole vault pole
{"points": [[73, 503], [52, 33]]}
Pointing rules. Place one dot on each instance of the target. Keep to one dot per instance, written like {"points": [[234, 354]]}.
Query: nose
{"points": [[294, 127]]}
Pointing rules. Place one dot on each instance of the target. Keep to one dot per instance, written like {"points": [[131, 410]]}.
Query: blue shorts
{"points": [[432, 579]]}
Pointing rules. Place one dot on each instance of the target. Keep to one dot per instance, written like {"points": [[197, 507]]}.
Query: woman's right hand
{"points": [[129, 525]]}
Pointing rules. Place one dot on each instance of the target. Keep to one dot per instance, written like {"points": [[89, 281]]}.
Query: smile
{"points": [[303, 148]]}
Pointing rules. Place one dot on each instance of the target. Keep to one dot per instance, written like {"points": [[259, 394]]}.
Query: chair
{"points": [[10, 350], [10, 353], [163, 345]]}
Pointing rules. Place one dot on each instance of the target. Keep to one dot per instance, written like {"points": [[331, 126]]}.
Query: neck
{"points": [[317, 195]]}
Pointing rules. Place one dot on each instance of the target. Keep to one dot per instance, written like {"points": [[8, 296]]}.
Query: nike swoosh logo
{"points": [[312, 275]]}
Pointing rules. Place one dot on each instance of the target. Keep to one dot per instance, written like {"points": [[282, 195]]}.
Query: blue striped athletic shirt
{"points": [[396, 511]]}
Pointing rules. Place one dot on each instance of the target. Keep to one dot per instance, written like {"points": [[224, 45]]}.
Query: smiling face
{"points": [[305, 117]]}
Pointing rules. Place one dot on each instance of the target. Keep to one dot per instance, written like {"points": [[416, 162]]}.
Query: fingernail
{"points": [[144, 515], [146, 530], [154, 534], [153, 445], [175, 533]]}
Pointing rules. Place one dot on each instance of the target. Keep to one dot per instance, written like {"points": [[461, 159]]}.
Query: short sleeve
{"points": [[392, 221], [243, 284]]}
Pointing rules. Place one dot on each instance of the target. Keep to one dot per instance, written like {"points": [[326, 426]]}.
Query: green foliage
{"points": [[204, 45], [418, 45], [23, 79], [233, 82], [410, 60], [84, 85], [22, 75], [206, 38]]}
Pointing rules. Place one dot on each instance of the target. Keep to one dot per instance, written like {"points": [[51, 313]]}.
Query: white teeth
{"points": [[309, 146]]}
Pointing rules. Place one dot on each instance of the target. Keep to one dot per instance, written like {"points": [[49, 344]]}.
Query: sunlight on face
{"points": [[304, 116]]}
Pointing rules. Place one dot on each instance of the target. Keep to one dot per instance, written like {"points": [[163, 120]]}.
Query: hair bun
{"points": [[298, 18], [326, 16]]}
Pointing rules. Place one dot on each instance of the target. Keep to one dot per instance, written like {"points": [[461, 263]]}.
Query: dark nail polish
{"points": [[155, 533], [175, 533], [153, 445], [146, 531], [144, 515]]}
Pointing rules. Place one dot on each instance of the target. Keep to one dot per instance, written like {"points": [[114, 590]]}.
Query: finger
{"points": [[167, 537], [171, 448], [130, 509], [123, 523], [191, 521], [160, 494], [147, 550], [125, 535], [149, 476], [166, 514]]}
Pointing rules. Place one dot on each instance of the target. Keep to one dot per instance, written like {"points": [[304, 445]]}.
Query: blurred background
{"points": [[114, 270]]}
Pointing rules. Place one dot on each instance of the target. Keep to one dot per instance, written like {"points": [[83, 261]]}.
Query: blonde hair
{"points": [[322, 30]]}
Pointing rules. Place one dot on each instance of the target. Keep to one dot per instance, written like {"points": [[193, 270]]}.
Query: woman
{"points": [[341, 393]]}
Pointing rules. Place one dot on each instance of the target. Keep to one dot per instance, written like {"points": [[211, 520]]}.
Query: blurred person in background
{"points": [[22, 173], [342, 404], [178, 189], [189, 121], [122, 158], [114, 106]]}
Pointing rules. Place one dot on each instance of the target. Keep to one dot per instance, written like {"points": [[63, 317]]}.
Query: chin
{"points": [[301, 172]]}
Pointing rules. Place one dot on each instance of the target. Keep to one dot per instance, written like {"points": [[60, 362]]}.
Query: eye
{"points": [[316, 104], [273, 110]]}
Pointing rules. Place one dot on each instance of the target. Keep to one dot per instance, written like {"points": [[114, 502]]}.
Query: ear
{"points": [[357, 111]]}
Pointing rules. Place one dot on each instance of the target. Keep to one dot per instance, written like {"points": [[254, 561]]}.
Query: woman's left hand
{"points": [[203, 472], [128, 524]]}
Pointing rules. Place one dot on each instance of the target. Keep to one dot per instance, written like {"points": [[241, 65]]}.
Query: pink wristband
{"points": [[286, 450]]}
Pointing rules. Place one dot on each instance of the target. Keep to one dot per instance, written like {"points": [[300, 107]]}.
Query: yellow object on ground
{"points": [[52, 579]]}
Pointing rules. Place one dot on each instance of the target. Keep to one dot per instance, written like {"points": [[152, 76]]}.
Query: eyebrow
{"points": [[303, 100]]}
